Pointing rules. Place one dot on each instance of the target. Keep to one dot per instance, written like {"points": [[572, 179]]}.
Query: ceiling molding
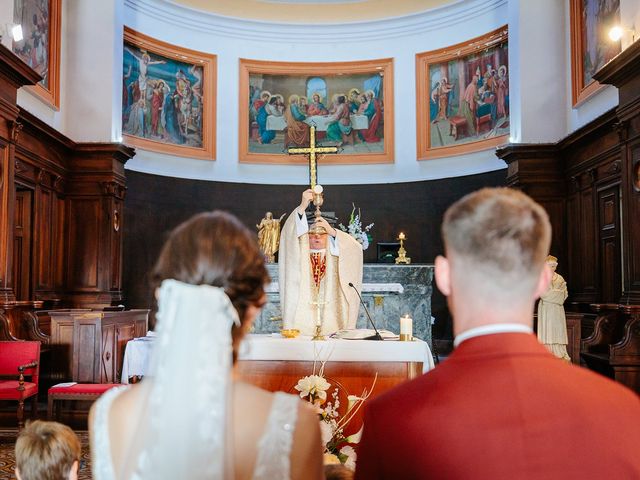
{"points": [[247, 29]]}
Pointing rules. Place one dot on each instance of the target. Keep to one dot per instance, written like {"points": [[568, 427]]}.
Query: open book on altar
{"points": [[362, 333]]}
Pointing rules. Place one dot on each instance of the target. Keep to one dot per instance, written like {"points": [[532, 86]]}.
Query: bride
{"points": [[189, 418]]}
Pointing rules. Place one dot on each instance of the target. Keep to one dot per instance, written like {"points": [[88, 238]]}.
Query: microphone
{"points": [[377, 336]]}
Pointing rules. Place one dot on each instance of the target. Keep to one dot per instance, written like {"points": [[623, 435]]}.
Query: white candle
{"points": [[406, 328]]}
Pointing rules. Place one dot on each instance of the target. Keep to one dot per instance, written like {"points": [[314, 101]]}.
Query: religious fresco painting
{"points": [[349, 103], [591, 47], [167, 97], [39, 22], [463, 96]]}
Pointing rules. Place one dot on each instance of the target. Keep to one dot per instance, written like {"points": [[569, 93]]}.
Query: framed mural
{"points": [[168, 102], [40, 44], [462, 95], [591, 46], [350, 104]]}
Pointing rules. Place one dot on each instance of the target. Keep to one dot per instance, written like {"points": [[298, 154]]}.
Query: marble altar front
{"points": [[389, 291]]}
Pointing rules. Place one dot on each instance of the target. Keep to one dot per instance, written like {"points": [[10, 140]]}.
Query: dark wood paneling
{"points": [[155, 205], [83, 251]]}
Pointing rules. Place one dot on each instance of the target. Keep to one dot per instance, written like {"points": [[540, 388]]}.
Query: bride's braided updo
{"points": [[215, 248]]}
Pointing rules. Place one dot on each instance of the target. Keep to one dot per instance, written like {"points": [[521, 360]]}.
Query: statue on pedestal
{"points": [[269, 236], [552, 323]]}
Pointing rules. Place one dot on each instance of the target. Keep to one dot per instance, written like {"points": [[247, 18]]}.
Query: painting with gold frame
{"points": [[168, 97], [349, 103], [591, 46], [40, 44], [462, 96]]}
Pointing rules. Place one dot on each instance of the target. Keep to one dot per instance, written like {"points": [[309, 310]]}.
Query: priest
{"points": [[316, 266]]}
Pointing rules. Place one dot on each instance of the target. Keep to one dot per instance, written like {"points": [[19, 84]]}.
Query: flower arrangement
{"points": [[338, 448], [354, 228]]}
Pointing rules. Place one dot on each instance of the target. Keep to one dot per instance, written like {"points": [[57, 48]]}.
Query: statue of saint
{"points": [[269, 236], [316, 266], [552, 323]]}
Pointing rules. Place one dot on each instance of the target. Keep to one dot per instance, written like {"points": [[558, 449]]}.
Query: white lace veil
{"points": [[183, 427]]}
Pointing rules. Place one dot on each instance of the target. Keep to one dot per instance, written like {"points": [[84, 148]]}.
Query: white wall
{"points": [[233, 39], [540, 78]]}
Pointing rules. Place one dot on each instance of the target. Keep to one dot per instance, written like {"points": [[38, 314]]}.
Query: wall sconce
{"points": [[12, 30], [618, 31]]}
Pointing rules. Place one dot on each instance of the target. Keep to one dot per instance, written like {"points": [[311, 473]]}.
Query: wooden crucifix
{"points": [[312, 150]]}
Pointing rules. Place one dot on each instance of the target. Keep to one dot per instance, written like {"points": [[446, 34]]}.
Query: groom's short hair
{"points": [[500, 234]]}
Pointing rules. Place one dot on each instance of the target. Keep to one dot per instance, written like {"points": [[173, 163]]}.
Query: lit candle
{"points": [[406, 328], [401, 236]]}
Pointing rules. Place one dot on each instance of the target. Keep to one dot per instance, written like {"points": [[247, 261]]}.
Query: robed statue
{"points": [[269, 236], [552, 322]]}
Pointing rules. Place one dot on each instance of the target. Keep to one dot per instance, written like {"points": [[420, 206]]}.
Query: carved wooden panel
{"points": [[86, 338], [588, 242], [22, 244], [610, 281], [83, 254], [44, 240], [633, 224], [108, 354]]}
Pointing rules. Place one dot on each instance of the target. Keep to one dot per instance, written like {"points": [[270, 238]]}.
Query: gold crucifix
{"points": [[312, 150]]}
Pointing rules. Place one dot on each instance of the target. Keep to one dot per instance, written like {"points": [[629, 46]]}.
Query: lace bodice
{"points": [[274, 447]]}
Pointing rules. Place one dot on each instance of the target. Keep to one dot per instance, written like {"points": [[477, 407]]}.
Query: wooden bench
{"points": [[80, 391], [614, 347]]}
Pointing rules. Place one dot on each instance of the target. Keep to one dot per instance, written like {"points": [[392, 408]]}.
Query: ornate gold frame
{"points": [[51, 95], [423, 125], [248, 67], [209, 78]]}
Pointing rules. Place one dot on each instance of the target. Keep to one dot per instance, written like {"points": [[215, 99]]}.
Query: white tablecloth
{"points": [[136, 358], [274, 347], [274, 287], [277, 122]]}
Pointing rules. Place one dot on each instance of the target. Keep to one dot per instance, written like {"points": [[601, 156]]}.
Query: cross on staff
{"points": [[311, 150]]}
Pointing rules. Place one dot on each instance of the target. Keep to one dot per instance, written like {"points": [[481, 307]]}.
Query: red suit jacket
{"points": [[502, 407]]}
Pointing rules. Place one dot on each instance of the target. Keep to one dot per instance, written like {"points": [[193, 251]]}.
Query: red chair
{"points": [[18, 359]]}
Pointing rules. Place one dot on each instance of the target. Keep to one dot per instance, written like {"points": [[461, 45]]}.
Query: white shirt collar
{"points": [[490, 330], [322, 250]]}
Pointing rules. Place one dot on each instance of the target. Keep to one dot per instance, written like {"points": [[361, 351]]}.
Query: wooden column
{"points": [[95, 201], [13, 75], [624, 72], [537, 170]]}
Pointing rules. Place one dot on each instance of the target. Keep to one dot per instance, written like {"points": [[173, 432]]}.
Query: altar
{"points": [[388, 290]]}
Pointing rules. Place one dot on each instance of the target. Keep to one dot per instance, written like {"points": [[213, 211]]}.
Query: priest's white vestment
{"points": [[340, 302]]}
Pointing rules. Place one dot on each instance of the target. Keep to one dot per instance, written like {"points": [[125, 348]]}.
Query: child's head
{"points": [[47, 451]]}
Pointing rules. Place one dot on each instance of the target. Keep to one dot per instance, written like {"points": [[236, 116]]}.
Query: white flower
{"points": [[314, 386], [330, 459], [351, 455], [356, 437], [326, 432]]}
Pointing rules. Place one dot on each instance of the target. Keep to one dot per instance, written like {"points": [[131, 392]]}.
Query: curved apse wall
{"points": [[399, 38]]}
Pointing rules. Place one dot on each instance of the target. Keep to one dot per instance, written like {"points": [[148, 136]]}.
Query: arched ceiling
{"points": [[314, 11]]}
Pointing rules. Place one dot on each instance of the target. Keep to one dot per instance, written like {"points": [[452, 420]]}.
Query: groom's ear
{"points": [[443, 275]]}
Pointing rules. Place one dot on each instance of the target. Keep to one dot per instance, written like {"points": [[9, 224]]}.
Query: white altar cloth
{"points": [[303, 349], [274, 287]]}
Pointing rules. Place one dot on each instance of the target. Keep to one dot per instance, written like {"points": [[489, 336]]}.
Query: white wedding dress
{"points": [[274, 447], [189, 436]]}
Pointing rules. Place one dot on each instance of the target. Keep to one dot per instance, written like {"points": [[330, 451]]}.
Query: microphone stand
{"points": [[377, 336]]}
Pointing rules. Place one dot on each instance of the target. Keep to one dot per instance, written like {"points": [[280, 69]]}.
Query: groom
{"points": [[501, 406], [316, 266]]}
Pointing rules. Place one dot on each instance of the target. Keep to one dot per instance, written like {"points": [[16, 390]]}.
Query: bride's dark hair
{"points": [[215, 248]]}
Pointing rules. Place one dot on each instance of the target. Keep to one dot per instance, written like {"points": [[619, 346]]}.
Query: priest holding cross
{"points": [[316, 264]]}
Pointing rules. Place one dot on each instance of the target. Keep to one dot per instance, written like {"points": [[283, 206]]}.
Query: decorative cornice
{"points": [[622, 67], [246, 29], [15, 71], [606, 120], [118, 151], [515, 151]]}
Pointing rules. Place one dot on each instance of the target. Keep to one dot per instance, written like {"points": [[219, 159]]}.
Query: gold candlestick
{"points": [[402, 253]]}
